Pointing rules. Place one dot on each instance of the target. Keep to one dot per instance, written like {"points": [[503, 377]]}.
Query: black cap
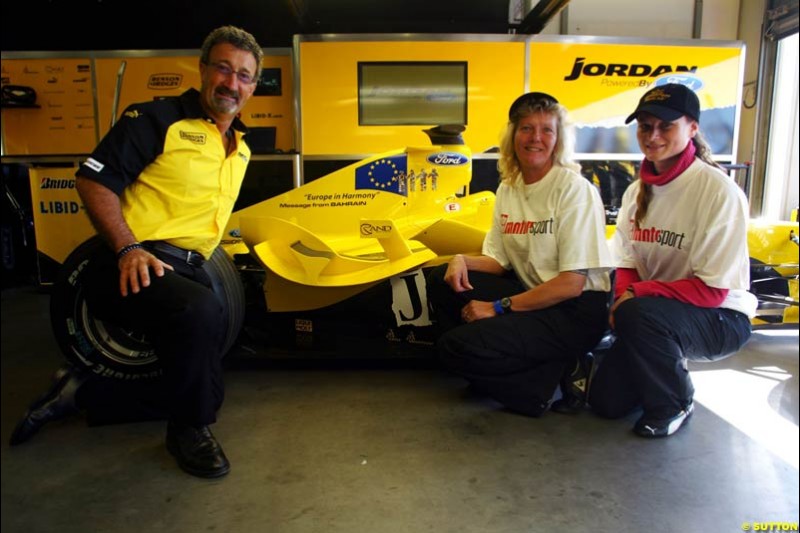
{"points": [[668, 102], [530, 99]]}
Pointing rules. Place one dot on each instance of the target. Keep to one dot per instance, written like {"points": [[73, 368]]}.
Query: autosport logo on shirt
{"points": [[663, 237], [448, 159], [526, 227]]}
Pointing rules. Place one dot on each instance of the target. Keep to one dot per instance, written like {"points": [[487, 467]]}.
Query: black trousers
{"points": [[517, 358], [182, 318], [647, 365]]}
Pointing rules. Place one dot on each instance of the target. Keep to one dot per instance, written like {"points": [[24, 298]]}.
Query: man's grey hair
{"points": [[236, 37]]}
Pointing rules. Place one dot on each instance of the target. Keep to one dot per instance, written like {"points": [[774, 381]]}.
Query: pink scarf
{"points": [[648, 171]]}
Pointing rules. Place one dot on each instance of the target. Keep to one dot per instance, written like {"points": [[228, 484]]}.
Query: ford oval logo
{"points": [[450, 159], [692, 82]]}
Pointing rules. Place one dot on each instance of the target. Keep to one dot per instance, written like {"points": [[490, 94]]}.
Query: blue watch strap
{"points": [[498, 308]]}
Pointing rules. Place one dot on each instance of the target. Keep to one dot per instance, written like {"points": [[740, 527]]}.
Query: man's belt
{"points": [[190, 257]]}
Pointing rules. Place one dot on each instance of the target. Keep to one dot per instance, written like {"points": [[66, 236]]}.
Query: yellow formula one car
{"points": [[337, 266]]}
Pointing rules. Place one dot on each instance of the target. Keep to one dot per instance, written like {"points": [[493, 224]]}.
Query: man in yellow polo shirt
{"points": [[160, 188]]}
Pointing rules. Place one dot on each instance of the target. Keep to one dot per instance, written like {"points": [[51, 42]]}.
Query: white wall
{"points": [[751, 14], [653, 19], [721, 19]]}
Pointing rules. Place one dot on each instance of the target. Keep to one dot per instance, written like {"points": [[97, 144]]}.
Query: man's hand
{"points": [[134, 269], [457, 275]]}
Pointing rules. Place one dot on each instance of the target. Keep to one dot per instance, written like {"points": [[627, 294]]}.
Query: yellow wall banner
{"points": [[77, 99], [59, 218], [332, 121], [600, 82], [62, 118], [141, 79]]}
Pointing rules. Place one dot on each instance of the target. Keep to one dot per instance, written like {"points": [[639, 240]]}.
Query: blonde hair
{"points": [[645, 194], [508, 164]]}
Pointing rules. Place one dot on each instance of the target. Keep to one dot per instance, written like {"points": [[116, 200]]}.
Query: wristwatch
{"points": [[502, 306]]}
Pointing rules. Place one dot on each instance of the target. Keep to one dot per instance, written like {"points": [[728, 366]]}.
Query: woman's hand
{"points": [[457, 275], [476, 310], [627, 295]]}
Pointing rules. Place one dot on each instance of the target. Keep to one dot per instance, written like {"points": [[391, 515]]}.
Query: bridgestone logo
{"points": [[193, 137], [57, 183]]}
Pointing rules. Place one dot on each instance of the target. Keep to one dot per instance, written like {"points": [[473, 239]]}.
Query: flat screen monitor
{"points": [[412, 93], [269, 82]]}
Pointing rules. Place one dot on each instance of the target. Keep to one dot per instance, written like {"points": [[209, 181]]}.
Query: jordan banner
{"points": [[600, 81]]}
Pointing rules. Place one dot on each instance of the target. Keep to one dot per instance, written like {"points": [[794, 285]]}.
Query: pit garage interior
{"points": [[345, 440]]}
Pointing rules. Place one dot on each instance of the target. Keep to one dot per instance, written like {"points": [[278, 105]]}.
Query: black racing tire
{"points": [[109, 350]]}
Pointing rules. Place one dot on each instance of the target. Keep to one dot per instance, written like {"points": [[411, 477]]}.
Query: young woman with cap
{"points": [[682, 269], [518, 316]]}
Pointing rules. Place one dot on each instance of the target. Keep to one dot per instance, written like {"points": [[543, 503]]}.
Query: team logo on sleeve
{"points": [[94, 164]]}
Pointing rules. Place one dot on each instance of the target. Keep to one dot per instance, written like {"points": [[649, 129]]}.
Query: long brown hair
{"points": [[702, 152]]}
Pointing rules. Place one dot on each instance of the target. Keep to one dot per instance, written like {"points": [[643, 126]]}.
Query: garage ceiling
{"points": [[61, 25]]}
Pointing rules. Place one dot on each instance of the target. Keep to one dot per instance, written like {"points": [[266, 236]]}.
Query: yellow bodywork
{"points": [[771, 243], [338, 235], [345, 232]]}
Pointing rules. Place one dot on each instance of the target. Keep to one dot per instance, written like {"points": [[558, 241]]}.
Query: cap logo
{"points": [[657, 95]]}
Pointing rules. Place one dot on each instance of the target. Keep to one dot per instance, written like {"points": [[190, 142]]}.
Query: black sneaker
{"points": [[652, 428], [575, 387]]}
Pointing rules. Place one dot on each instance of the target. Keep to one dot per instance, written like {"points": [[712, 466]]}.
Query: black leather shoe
{"points": [[197, 451], [56, 403]]}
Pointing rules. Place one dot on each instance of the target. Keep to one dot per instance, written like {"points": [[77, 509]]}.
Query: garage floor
{"points": [[400, 448]]}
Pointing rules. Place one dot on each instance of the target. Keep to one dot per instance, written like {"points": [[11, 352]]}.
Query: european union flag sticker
{"points": [[386, 174]]}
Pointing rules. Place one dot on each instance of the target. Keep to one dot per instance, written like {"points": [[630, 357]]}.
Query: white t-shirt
{"points": [[554, 225], [695, 227]]}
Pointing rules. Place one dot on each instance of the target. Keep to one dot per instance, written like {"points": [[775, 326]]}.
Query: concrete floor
{"points": [[379, 448]]}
